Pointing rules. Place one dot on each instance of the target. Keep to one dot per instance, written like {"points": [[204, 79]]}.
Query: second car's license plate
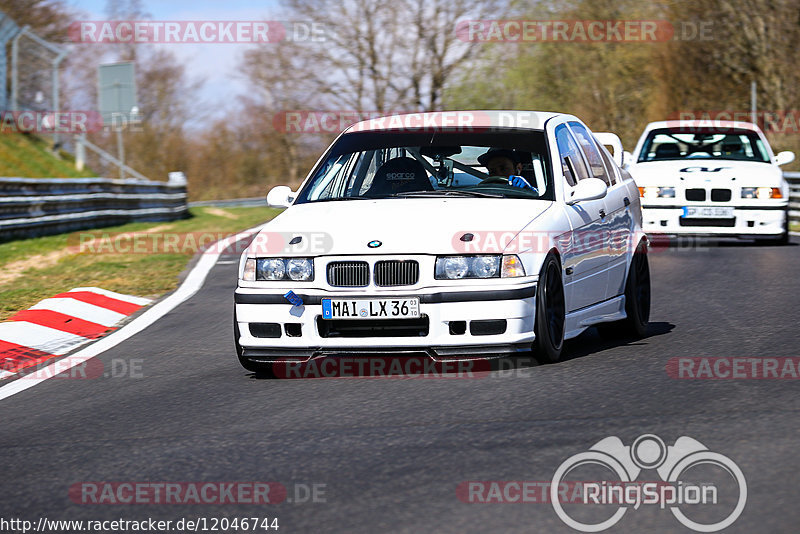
{"points": [[708, 212], [370, 308]]}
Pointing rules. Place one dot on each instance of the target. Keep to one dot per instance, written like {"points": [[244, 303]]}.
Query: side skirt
{"points": [[602, 312]]}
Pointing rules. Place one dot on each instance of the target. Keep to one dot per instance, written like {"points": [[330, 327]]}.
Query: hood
{"points": [[403, 226], [698, 172]]}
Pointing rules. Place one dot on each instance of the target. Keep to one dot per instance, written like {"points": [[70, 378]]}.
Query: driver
{"points": [[504, 163]]}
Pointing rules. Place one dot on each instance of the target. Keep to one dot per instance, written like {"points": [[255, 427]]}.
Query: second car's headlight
{"points": [[272, 269], [657, 192], [761, 193], [494, 266]]}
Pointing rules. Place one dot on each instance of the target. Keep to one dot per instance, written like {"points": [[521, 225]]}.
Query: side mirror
{"points": [[587, 189], [280, 196], [627, 159], [782, 158]]}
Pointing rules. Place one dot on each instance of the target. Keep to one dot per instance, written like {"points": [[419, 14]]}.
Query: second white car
{"points": [[720, 179]]}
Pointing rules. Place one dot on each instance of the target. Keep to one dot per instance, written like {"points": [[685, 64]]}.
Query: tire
{"points": [[550, 312], [263, 369], [637, 300]]}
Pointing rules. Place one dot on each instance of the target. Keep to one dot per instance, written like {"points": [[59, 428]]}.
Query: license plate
{"points": [[370, 308], [707, 212]]}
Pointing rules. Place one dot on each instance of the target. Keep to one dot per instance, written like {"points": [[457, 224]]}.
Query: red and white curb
{"points": [[190, 286], [57, 325]]}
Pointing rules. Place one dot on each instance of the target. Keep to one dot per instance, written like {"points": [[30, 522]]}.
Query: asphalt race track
{"points": [[387, 455]]}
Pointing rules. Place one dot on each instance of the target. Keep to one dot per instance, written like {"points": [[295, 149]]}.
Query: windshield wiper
{"points": [[446, 193], [334, 199]]}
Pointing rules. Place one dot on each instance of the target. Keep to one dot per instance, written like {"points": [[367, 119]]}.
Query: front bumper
{"points": [[455, 326], [750, 222]]}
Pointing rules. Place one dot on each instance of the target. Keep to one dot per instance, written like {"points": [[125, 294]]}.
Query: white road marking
{"points": [[40, 337], [189, 287], [141, 301], [81, 310]]}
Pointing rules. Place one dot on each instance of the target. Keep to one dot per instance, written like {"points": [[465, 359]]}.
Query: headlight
{"points": [[299, 269], [485, 266], [276, 269], [657, 192], [270, 269], [452, 268], [459, 267], [761, 193]]}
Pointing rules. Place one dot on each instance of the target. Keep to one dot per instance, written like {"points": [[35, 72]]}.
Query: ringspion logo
{"points": [[673, 464]]}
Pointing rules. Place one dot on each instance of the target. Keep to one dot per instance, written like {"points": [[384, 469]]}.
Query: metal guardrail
{"points": [[252, 202], [31, 207], [794, 195]]}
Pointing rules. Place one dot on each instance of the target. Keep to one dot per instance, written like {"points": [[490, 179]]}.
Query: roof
{"points": [[466, 120], [704, 123]]}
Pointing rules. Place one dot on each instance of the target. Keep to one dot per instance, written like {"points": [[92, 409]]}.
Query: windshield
{"points": [[696, 143], [375, 165]]}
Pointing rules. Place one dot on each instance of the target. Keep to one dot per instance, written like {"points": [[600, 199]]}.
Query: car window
{"points": [[572, 162], [587, 144], [502, 163], [611, 168]]}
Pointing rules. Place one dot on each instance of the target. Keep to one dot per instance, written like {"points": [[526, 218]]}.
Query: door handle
{"points": [[627, 201], [602, 214]]}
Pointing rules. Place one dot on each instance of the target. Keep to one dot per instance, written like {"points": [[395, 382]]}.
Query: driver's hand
{"points": [[519, 181]]}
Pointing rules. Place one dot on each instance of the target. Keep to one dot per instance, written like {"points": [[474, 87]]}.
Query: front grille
{"points": [[696, 195], [348, 273], [724, 223], [396, 273], [417, 327], [720, 195]]}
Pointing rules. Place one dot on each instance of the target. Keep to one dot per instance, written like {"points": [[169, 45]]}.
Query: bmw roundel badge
{"points": [[374, 244]]}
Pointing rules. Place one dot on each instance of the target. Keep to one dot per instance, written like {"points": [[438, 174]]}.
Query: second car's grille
{"points": [[348, 273], [396, 273], [697, 195], [724, 223], [720, 195]]}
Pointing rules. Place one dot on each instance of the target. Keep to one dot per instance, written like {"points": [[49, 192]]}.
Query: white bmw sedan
{"points": [[711, 178], [458, 235]]}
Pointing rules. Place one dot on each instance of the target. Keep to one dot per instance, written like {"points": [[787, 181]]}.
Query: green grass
{"points": [[147, 275], [794, 227], [28, 156]]}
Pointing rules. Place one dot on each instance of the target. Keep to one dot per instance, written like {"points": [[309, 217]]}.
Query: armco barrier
{"points": [[31, 207], [794, 195]]}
